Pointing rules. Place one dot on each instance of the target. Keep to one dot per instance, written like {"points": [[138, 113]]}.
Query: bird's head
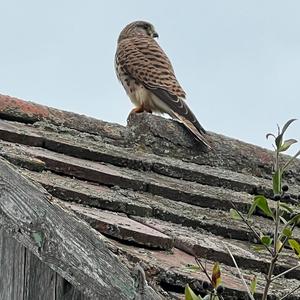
{"points": [[136, 29]]}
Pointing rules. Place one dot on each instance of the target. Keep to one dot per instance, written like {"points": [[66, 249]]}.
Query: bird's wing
{"points": [[145, 61]]}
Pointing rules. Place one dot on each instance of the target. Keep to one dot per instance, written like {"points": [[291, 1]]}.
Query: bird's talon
{"points": [[137, 110]]}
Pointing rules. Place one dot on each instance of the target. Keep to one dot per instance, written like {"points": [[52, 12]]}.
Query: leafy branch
{"points": [[285, 218], [282, 214]]}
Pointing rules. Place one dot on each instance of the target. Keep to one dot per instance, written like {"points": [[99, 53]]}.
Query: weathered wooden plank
{"points": [[40, 280], [121, 227], [65, 291], [59, 239], [12, 261], [24, 276]]}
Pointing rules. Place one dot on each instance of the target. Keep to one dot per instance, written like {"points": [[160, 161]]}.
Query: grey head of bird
{"points": [[138, 29]]}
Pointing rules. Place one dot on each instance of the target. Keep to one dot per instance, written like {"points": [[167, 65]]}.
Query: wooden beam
{"points": [[61, 240]]}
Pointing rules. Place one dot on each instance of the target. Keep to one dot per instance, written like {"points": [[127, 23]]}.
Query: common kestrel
{"points": [[147, 75]]}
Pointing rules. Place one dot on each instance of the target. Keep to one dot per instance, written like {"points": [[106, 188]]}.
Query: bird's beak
{"points": [[155, 34]]}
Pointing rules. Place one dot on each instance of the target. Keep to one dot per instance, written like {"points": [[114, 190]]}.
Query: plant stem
{"points": [[285, 272], [239, 271], [269, 277], [198, 261], [285, 239], [250, 227], [276, 251], [277, 221]]}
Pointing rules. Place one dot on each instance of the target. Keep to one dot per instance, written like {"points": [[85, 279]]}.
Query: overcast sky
{"points": [[238, 61]]}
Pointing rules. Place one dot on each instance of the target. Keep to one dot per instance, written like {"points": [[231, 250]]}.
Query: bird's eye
{"points": [[145, 26]]}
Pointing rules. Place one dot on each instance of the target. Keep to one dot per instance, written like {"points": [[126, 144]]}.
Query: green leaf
{"points": [[235, 215], [287, 232], [295, 219], [277, 182], [266, 240], [252, 209], [216, 275], [253, 284], [283, 220], [286, 145], [262, 203], [286, 125], [278, 129], [290, 160], [295, 246], [278, 141], [278, 245], [189, 294], [285, 207], [270, 134]]}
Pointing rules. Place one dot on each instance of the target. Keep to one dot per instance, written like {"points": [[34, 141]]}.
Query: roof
{"points": [[157, 197]]}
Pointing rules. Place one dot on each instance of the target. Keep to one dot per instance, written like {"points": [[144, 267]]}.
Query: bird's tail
{"points": [[191, 127]]}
